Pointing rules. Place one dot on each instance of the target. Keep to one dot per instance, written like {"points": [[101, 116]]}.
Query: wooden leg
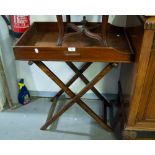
{"points": [[102, 39], [75, 98], [68, 18], [93, 82], [52, 109], [83, 68], [85, 80], [62, 36], [104, 28], [98, 119], [61, 30], [93, 36]]}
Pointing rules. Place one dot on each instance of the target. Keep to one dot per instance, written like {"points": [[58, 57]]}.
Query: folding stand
{"points": [[76, 98], [40, 43]]}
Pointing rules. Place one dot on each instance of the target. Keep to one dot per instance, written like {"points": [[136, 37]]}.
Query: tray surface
{"points": [[44, 35]]}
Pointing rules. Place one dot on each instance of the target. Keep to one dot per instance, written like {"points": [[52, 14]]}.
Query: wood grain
{"points": [[140, 75], [43, 36]]}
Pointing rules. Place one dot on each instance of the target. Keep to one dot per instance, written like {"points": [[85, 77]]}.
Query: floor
{"points": [[24, 122]]}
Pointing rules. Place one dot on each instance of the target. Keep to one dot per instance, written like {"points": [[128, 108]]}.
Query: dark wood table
{"points": [[39, 44]]}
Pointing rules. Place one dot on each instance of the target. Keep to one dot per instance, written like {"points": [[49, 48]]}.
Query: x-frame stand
{"points": [[76, 98]]}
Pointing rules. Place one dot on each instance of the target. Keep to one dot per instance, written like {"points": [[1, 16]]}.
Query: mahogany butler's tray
{"points": [[39, 43]]}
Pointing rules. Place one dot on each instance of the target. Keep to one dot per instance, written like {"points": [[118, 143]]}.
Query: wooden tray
{"points": [[39, 43]]}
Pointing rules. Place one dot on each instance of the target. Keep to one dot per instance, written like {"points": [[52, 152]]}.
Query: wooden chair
{"points": [[82, 28]]}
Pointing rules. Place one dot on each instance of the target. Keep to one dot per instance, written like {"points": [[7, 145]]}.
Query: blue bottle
{"points": [[23, 95]]}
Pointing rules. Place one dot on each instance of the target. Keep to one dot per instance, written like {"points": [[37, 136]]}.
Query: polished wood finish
{"points": [[61, 29], [134, 47], [39, 43], [147, 111], [104, 29], [83, 29], [150, 23], [43, 37], [141, 112], [141, 72]]}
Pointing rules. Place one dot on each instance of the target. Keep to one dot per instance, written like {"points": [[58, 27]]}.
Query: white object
{"points": [[71, 49], [36, 50]]}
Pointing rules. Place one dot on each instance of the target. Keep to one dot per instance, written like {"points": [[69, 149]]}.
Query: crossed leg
{"points": [[75, 98], [78, 73], [84, 79], [74, 78], [96, 92]]}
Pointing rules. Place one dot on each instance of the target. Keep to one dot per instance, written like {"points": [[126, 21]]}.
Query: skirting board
{"points": [[87, 96]]}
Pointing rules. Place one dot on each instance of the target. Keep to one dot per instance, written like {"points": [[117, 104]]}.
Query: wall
{"points": [[2, 94], [37, 81], [8, 60]]}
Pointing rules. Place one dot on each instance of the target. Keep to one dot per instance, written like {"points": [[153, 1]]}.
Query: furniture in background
{"points": [[138, 79], [70, 29]]}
